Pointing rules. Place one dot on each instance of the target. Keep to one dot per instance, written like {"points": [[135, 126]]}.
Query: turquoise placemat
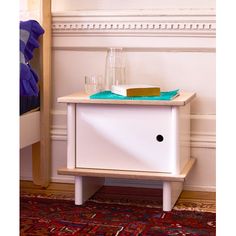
{"points": [[109, 95]]}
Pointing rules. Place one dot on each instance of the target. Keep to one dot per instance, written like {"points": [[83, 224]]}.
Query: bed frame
{"points": [[35, 126]]}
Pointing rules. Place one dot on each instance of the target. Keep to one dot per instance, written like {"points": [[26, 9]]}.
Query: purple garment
{"points": [[29, 33], [35, 30]]}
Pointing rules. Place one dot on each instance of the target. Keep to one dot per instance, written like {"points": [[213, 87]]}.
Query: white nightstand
{"points": [[133, 139]]}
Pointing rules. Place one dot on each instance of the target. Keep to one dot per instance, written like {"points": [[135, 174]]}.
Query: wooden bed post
{"points": [[45, 99], [41, 165], [35, 126]]}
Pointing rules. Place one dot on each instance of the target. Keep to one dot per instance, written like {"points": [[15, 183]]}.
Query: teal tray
{"points": [[169, 95]]}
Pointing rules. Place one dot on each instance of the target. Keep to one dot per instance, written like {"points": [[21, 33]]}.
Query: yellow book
{"points": [[135, 90]]}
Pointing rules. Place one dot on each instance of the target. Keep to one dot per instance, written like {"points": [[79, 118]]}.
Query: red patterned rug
{"points": [[110, 215]]}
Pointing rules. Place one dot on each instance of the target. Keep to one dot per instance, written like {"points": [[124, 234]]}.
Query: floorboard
{"points": [[189, 200]]}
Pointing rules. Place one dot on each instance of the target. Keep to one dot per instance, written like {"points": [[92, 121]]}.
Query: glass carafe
{"points": [[115, 68]]}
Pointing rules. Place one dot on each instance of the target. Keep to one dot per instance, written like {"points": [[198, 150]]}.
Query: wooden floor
{"points": [[68, 189], [188, 200], [56, 189]]}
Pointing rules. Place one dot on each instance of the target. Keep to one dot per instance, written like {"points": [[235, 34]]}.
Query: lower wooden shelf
{"points": [[126, 174], [88, 181]]}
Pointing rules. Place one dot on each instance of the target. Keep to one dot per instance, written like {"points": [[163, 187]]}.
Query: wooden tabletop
{"points": [[80, 97]]}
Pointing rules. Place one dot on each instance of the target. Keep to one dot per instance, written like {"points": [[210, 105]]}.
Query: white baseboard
{"points": [[128, 183], [26, 178], [132, 183], [154, 184], [200, 188], [64, 179]]}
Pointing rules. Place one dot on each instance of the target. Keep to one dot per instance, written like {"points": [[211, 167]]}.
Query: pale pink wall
{"points": [[72, 5], [184, 62]]}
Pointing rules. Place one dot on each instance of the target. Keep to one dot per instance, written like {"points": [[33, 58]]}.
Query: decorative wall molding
{"points": [[199, 139], [159, 29], [203, 140], [59, 133], [168, 22], [203, 133]]}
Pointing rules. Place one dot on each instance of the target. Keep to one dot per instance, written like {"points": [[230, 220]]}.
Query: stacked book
{"points": [[136, 90]]}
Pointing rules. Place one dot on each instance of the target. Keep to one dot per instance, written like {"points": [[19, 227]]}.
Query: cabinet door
{"points": [[123, 137]]}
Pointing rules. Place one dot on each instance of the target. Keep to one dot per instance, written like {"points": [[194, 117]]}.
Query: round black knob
{"points": [[159, 138]]}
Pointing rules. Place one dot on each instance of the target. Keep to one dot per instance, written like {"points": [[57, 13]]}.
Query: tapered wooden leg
{"points": [[171, 192], [85, 187]]}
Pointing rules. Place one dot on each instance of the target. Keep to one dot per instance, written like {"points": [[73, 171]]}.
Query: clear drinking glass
{"points": [[93, 84], [115, 68]]}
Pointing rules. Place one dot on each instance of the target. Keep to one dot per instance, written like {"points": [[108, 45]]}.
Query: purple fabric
{"points": [[28, 85], [29, 34], [35, 30]]}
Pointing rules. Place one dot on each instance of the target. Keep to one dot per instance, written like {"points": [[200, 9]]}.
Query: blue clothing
{"points": [[29, 33]]}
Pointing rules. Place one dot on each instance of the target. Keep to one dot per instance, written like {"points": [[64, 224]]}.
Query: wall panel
{"points": [[174, 48]]}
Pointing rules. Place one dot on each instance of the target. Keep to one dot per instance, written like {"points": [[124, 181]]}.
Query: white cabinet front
{"points": [[124, 137]]}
